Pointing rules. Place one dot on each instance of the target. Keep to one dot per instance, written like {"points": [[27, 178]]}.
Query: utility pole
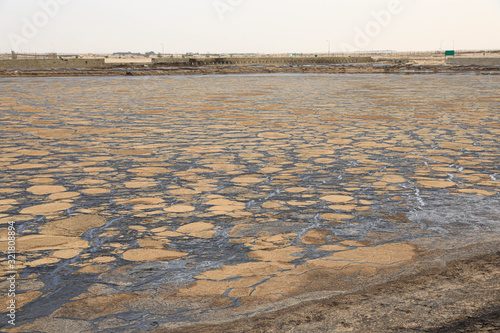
{"points": [[328, 47], [162, 49]]}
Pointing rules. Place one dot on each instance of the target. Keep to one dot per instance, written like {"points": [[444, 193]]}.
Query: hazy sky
{"points": [[261, 26]]}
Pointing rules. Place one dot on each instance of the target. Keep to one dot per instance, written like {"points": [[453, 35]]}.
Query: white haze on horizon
{"points": [[247, 26]]}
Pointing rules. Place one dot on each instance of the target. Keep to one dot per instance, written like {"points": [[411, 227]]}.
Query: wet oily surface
{"points": [[152, 203]]}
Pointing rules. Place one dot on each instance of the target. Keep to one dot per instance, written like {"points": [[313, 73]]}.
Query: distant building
{"points": [[126, 53]]}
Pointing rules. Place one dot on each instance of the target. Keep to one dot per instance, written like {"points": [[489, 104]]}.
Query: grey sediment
{"points": [[254, 203]]}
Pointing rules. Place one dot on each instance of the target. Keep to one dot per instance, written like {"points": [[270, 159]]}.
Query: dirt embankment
{"points": [[311, 69]]}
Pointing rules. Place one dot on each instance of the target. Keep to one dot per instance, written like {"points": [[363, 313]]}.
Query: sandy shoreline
{"points": [[307, 69], [461, 296]]}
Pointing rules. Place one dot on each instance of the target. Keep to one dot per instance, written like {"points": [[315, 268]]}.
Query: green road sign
{"points": [[449, 53]]}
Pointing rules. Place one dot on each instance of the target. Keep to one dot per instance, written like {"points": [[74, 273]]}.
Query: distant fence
{"points": [[15, 55], [473, 61], [260, 61], [65, 63]]}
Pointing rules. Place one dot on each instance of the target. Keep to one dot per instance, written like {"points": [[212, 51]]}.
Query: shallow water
{"points": [[157, 201]]}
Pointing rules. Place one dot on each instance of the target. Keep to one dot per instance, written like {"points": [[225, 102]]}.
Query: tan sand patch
{"points": [[296, 189], [98, 169], [45, 189], [337, 198], [270, 170], [132, 152], [179, 209], [73, 226], [53, 133], [154, 170], [223, 167], [164, 234], [222, 202], [152, 255], [94, 191], [49, 242], [442, 159], [33, 152], [98, 306], [147, 207], [204, 288], [63, 195], [271, 204], [184, 191], [4, 208], [261, 268], [100, 289], [385, 254], [21, 299], [436, 183], [203, 149], [346, 208], [138, 227], [247, 179], [43, 261], [198, 229], [280, 238], [393, 179], [444, 169], [8, 202], [355, 243], [332, 248], [152, 244], [103, 259], [324, 160], [340, 141], [337, 217], [301, 203], [144, 201], [284, 254], [50, 325], [159, 229], [290, 285], [66, 254], [316, 236], [27, 166], [273, 135], [139, 184], [90, 182], [46, 208], [225, 205], [371, 144], [476, 191]]}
